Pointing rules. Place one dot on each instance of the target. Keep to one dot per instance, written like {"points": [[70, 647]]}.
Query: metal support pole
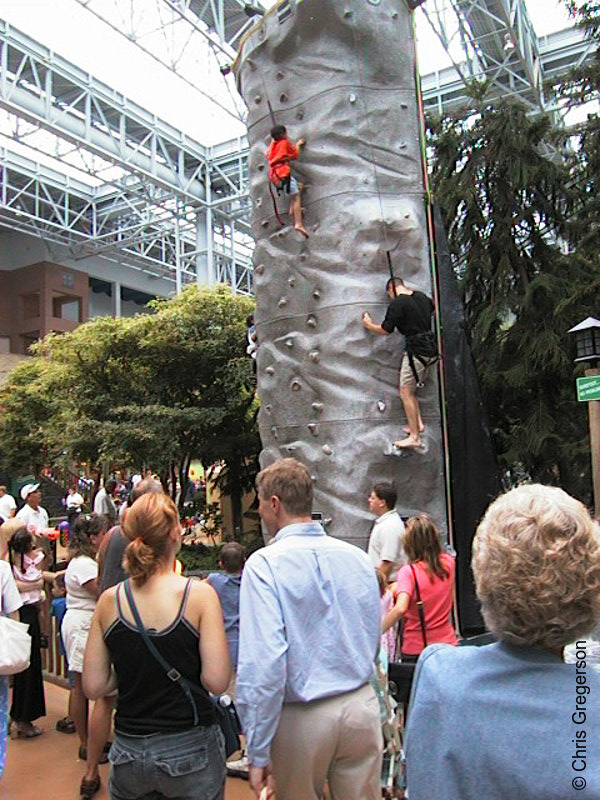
{"points": [[594, 417], [233, 264], [210, 267], [177, 250], [116, 299]]}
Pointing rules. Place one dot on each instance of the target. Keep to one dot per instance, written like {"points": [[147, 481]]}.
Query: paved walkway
{"points": [[47, 768]]}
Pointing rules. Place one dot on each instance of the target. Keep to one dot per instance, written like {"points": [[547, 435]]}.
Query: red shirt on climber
{"points": [[279, 154]]}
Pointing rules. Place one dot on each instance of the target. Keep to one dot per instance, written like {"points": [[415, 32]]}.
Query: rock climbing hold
{"points": [[311, 321], [318, 407], [270, 370], [274, 433], [315, 356], [327, 450], [268, 408], [292, 281], [316, 294], [381, 405], [259, 269], [257, 99], [283, 98], [280, 76], [313, 428], [289, 343], [265, 223], [347, 13], [282, 302], [352, 98], [296, 386]]}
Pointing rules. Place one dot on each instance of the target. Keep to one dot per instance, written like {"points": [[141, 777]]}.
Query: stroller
{"points": [[392, 724]]}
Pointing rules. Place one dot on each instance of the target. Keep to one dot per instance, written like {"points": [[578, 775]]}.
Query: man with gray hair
{"points": [[309, 634], [103, 501]]}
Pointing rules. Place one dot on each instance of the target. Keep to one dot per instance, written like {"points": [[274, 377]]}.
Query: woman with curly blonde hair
{"points": [[525, 718]]}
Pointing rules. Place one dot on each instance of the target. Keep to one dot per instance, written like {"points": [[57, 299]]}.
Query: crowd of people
{"points": [[293, 633]]}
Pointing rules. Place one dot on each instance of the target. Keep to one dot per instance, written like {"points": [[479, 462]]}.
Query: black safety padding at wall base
{"points": [[474, 473]]}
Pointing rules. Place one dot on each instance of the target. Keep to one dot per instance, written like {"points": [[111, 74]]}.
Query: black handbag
{"points": [[401, 673], [227, 717]]}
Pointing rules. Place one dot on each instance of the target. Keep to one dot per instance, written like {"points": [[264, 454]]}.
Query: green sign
{"points": [[588, 388]]}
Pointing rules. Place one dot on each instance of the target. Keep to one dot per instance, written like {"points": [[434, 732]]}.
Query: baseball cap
{"points": [[28, 489]]}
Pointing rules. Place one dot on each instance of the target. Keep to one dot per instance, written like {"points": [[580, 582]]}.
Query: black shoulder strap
{"points": [[172, 673], [419, 606]]}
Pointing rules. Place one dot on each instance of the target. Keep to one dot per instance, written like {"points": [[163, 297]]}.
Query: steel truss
{"points": [[494, 41], [137, 190]]}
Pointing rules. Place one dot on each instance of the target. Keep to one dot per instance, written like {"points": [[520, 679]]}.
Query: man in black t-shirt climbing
{"points": [[410, 313]]}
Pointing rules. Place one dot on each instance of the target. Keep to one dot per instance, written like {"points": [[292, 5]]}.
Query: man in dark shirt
{"points": [[410, 314]]}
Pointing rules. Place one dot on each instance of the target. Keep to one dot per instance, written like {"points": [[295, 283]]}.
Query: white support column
{"points": [[233, 265], [116, 298], [205, 268], [177, 250]]}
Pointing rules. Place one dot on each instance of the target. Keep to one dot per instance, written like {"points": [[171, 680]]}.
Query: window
{"points": [[67, 307]]}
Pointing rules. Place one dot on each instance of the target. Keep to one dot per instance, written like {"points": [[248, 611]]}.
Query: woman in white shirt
{"points": [[81, 583]]}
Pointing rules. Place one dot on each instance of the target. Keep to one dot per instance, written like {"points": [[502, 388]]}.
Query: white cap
{"points": [[28, 489]]}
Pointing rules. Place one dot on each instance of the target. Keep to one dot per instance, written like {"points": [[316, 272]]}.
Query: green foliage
{"points": [[199, 557], [506, 200], [205, 558], [152, 390]]}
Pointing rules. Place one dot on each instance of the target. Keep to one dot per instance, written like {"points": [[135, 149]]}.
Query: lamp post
{"points": [[587, 343]]}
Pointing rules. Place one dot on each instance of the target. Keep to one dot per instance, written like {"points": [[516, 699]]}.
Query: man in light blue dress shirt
{"points": [[309, 634]]}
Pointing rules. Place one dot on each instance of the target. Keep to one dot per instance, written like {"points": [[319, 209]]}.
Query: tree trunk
{"points": [[236, 513]]}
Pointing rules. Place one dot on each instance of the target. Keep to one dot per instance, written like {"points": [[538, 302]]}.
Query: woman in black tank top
{"points": [[164, 743]]}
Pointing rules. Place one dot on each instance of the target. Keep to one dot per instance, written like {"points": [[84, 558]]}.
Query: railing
{"points": [[54, 665]]}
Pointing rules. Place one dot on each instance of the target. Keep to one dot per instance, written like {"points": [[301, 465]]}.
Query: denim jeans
{"points": [[180, 766]]}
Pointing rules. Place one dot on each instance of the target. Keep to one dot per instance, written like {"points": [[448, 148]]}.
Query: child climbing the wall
{"points": [[281, 151]]}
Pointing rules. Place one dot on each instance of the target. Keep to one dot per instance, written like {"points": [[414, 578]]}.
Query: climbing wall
{"points": [[340, 73]]}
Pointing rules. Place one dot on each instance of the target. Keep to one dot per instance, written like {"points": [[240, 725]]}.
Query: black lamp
{"points": [[587, 340]]}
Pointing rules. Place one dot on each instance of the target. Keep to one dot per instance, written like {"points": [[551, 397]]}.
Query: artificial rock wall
{"points": [[339, 73]]}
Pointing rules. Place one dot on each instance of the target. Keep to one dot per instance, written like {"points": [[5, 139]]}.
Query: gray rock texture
{"points": [[340, 73]]}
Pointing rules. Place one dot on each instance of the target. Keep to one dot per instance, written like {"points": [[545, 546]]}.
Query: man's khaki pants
{"points": [[336, 740]]}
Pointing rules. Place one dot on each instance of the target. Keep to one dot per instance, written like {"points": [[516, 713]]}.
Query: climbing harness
{"points": [[423, 347], [274, 201]]}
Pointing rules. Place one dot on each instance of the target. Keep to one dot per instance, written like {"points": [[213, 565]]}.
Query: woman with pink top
{"points": [[426, 581]]}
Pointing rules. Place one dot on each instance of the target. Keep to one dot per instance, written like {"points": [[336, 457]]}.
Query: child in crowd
{"points": [[27, 564], [386, 602], [58, 609], [281, 151], [227, 585]]}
